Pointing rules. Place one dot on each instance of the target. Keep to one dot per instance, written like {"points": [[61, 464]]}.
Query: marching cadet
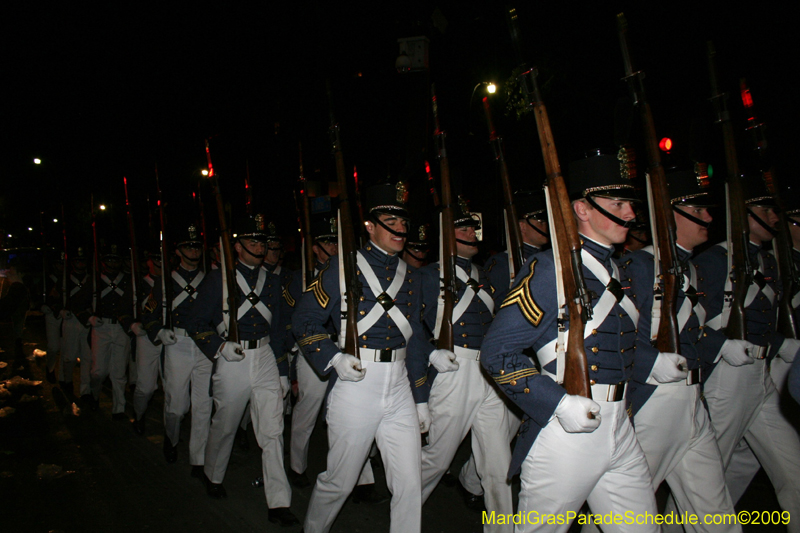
{"points": [[567, 456], [109, 319], [741, 396], [417, 246], [187, 372], [74, 334], [52, 319], [148, 354], [461, 397], [532, 213], [254, 369], [371, 397], [672, 424]]}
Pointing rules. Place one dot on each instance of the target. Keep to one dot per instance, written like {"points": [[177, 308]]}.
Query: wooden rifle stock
{"points": [[135, 275], [671, 271], [305, 226], [515, 248], [347, 253], [96, 310], [166, 273], [739, 235], [227, 249], [449, 251]]}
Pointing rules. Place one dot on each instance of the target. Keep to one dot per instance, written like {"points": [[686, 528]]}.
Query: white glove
{"points": [[444, 360], [285, 387], [735, 352], [788, 350], [137, 329], [573, 414], [46, 310], [424, 415], [668, 368], [348, 367], [64, 314], [166, 336], [231, 351], [95, 321]]}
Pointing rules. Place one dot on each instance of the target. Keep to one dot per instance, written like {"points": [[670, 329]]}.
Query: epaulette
{"points": [[522, 297], [316, 287], [288, 297]]}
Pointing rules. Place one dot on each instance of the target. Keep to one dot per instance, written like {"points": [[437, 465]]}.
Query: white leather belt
{"points": [[467, 353], [252, 345], [759, 352], [609, 393], [382, 356]]}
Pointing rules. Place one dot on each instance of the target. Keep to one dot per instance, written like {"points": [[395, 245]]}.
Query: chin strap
{"points": [[629, 224], [188, 259], [537, 230], [420, 259], [322, 249], [696, 220], [468, 243], [259, 256], [761, 223], [637, 239], [375, 220]]}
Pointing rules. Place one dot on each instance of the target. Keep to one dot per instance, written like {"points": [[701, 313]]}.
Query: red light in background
{"points": [[665, 144]]}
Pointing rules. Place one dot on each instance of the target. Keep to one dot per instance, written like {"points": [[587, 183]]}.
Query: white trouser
{"points": [[468, 477], [111, 349], [74, 346], [379, 407], [148, 368], [460, 401], [744, 404], [304, 416], [255, 379], [187, 369], [675, 433], [605, 468], [52, 325]]}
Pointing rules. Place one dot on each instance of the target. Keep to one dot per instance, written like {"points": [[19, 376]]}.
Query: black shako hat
{"points": [[189, 236], [252, 227], [689, 186], [462, 218], [419, 237], [387, 198], [530, 204], [606, 176], [756, 192], [324, 227]]}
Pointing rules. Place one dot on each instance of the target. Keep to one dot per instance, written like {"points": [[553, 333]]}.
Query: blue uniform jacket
{"points": [[699, 345], [207, 314], [152, 315], [322, 302], [498, 273], [528, 317], [113, 305]]}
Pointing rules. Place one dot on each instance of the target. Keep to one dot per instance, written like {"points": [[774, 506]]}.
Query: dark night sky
{"points": [[99, 93]]}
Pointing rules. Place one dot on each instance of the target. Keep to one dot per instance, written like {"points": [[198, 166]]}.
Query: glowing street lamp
{"points": [[204, 172], [102, 207], [37, 161], [491, 88]]}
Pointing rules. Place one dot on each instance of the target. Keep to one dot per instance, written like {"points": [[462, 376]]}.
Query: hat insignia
{"points": [[271, 228], [259, 222], [627, 162], [462, 203], [701, 172], [334, 226], [193, 232], [402, 192], [423, 236]]}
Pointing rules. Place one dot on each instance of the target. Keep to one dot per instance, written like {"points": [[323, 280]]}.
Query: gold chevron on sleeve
{"points": [[421, 381], [151, 304], [521, 296], [513, 376], [288, 297], [313, 338], [281, 359], [316, 287], [203, 335]]}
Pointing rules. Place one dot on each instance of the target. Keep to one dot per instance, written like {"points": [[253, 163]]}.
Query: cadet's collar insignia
{"points": [[627, 162], [522, 297], [402, 192], [193, 232], [423, 236], [318, 290], [259, 222], [334, 226], [701, 172]]}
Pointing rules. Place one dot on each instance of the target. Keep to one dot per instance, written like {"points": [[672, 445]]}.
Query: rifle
{"points": [[97, 288], [516, 254], [362, 232], [447, 259], [787, 272], [578, 299], [347, 248], [248, 193], [64, 295], [166, 285], [309, 261], [667, 266], [432, 185], [738, 228], [206, 263], [227, 249], [134, 256], [44, 259]]}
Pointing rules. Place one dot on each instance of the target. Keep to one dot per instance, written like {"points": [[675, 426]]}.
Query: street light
{"points": [[102, 207], [491, 88], [204, 172], [37, 161]]}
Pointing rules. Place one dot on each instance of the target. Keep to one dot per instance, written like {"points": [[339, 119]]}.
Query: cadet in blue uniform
{"points": [[371, 397], [567, 457], [74, 345], [187, 372], [461, 397], [52, 319], [254, 369], [110, 320], [741, 396], [672, 424]]}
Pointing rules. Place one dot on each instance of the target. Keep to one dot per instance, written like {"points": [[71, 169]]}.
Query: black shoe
{"points": [[298, 480], [170, 451], [241, 439], [51, 376], [283, 517], [138, 426], [449, 479], [198, 472], [118, 417], [367, 494], [472, 501], [215, 490]]}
